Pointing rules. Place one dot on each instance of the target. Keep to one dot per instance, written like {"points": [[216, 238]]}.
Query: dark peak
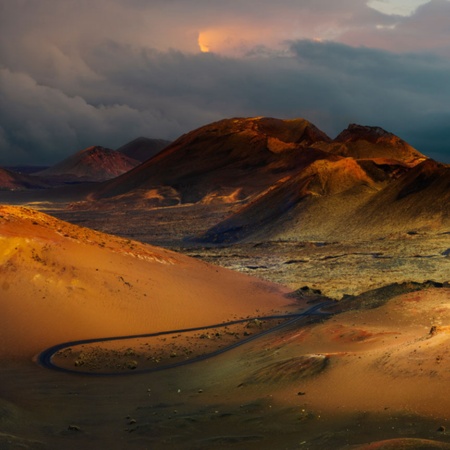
{"points": [[291, 131], [356, 132], [143, 148], [146, 140], [364, 142], [96, 149]]}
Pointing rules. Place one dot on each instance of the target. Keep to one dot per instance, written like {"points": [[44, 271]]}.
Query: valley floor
{"points": [[378, 372]]}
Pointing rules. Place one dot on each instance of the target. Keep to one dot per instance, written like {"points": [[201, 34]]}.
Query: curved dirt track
{"points": [[45, 358]]}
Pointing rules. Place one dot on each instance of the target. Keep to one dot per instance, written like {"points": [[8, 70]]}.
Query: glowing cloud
{"points": [[204, 47]]}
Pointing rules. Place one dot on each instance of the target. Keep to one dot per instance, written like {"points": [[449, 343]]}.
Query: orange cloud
{"points": [[203, 43]]}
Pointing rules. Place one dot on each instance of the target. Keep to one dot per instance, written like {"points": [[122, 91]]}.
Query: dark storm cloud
{"points": [[80, 73]]}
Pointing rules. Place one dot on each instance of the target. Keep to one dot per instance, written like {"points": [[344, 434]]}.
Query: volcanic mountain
{"points": [[10, 180], [91, 164], [143, 148], [267, 177], [232, 158]]}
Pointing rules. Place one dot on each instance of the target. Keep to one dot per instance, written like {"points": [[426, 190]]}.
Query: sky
{"points": [[77, 73]]}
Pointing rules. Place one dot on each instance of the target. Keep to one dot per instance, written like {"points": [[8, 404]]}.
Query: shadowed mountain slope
{"points": [[10, 180], [420, 199], [338, 184], [339, 200], [91, 164], [142, 148]]}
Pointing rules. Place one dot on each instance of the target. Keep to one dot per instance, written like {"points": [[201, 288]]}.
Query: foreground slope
{"points": [[60, 282]]}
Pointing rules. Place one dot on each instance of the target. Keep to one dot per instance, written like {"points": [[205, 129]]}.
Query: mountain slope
{"points": [[91, 164], [418, 200], [337, 184], [336, 200]]}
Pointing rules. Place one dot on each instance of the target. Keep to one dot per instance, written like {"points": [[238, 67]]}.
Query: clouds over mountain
{"points": [[66, 82]]}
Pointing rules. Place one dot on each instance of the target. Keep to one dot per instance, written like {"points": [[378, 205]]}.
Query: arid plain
{"points": [[359, 224]]}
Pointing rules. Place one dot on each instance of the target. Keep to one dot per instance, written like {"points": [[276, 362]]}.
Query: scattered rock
{"points": [[441, 429], [74, 428], [433, 330], [132, 365]]}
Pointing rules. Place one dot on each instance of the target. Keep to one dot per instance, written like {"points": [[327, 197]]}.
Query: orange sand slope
{"points": [[61, 282]]}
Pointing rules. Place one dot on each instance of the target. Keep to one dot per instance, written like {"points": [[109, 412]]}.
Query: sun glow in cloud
{"points": [[202, 43]]}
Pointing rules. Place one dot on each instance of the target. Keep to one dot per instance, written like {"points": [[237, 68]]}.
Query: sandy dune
{"points": [[61, 282]]}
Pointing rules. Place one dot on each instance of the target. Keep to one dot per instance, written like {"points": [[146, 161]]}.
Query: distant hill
{"points": [[29, 170], [143, 148], [91, 164], [10, 180]]}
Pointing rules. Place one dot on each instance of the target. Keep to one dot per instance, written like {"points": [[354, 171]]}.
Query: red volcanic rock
{"points": [[247, 154], [91, 164], [363, 142], [143, 148]]}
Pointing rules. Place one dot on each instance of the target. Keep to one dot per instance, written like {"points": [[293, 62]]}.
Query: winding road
{"points": [[45, 358]]}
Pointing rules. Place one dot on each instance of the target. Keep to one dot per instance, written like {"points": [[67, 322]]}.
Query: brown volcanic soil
{"points": [[339, 268]]}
